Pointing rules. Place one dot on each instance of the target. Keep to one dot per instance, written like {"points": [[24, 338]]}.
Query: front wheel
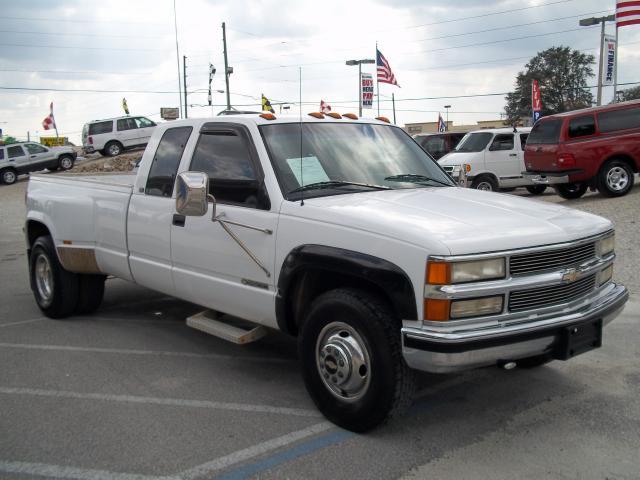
{"points": [[352, 363], [8, 176], [615, 179], [571, 191], [536, 189]]}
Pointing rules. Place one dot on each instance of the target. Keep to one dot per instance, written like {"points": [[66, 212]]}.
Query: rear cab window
{"points": [[545, 132], [582, 126], [164, 167], [622, 119], [101, 127]]}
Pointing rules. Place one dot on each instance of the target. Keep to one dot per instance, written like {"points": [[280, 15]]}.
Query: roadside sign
{"points": [[609, 66], [366, 86], [536, 101], [53, 141], [169, 113]]}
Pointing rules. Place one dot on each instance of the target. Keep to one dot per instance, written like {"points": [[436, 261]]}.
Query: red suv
{"points": [[595, 147]]}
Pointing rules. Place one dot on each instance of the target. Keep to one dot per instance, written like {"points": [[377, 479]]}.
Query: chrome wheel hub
{"points": [[343, 361], [9, 177], [486, 186], [66, 163], [114, 150], [617, 178], [44, 280]]}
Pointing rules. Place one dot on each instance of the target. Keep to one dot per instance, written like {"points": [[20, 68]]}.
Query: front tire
{"points": [[65, 162], [536, 189], [352, 363], [8, 176], [615, 179], [54, 288], [485, 183], [571, 191]]}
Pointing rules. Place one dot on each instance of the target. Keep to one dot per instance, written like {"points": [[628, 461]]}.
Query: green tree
{"points": [[630, 94], [562, 74]]}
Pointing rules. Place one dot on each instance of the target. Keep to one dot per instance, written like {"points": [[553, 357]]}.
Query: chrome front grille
{"points": [[555, 259], [542, 297]]}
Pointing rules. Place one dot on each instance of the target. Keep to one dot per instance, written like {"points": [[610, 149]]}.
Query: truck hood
{"points": [[459, 219]]}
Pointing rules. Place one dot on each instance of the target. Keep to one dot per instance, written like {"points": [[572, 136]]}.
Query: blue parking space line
{"points": [[290, 454]]}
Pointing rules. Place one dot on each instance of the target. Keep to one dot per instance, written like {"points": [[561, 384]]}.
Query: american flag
{"points": [[49, 122], [627, 13], [442, 127], [385, 75], [324, 107]]}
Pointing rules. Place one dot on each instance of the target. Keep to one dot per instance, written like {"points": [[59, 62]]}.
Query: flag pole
{"points": [[377, 83], [393, 101]]}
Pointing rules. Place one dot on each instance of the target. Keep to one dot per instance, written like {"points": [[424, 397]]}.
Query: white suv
{"points": [[493, 158], [19, 158], [112, 136]]}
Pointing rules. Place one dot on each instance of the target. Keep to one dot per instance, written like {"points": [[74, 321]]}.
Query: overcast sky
{"points": [[434, 48]]}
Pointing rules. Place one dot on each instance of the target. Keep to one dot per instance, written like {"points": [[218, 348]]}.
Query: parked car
{"points": [[112, 136], [342, 233], [25, 157], [439, 144], [493, 158], [595, 147]]}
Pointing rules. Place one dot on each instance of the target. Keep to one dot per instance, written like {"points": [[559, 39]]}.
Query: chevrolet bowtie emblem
{"points": [[570, 275]]}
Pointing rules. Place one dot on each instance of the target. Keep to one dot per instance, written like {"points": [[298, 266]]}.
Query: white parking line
{"points": [[175, 402], [72, 473], [68, 348], [253, 451], [2, 325]]}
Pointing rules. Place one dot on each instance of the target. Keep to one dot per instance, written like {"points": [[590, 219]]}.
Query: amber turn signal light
{"points": [[436, 310], [383, 119], [352, 116], [438, 273], [333, 115], [316, 115], [268, 116]]}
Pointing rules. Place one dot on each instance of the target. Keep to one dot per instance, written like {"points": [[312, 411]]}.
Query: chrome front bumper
{"points": [[435, 351]]}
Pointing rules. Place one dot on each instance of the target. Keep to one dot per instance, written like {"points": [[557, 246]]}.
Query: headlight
{"points": [[606, 245], [443, 273], [476, 307]]}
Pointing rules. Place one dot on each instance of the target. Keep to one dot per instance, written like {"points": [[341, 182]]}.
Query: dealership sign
{"points": [[366, 87], [610, 60], [536, 101], [169, 113]]}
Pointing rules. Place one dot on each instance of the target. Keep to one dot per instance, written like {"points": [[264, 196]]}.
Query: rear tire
{"points": [[113, 148], [8, 176], [54, 288], [65, 162], [571, 191], [536, 189], [615, 178], [90, 293], [485, 183], [351, 357]]}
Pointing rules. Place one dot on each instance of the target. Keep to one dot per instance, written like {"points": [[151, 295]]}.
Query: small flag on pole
{"points": [[266, 105], [124, 106], [442, 127], [627, 13], [324, 107], [385, 75], [49, 122]]}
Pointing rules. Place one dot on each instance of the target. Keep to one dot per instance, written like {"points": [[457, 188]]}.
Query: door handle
{"points": [[33, 156], [178, 220], [513, 154]]}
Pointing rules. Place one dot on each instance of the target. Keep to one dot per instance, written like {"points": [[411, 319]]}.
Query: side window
{"points": [[162, 174], [582, 126], [101, 127], [15, 151], [523, 140], [33, 148], [502, 141], [1, 153], [126, 124], [225, 157], [142, 122], [619, 120]]}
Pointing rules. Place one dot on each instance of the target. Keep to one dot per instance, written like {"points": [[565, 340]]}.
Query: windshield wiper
{"points": [[414, 178], [335, 183]]}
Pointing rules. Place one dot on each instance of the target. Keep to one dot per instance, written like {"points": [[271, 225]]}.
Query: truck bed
{"points": [[120, 182]]}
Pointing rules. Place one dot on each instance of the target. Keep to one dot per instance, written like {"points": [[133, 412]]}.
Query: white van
{"points": [[112, 136], [494, 159]]}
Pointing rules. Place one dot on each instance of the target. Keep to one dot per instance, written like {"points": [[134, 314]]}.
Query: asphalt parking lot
{"points": [[132, 393]]}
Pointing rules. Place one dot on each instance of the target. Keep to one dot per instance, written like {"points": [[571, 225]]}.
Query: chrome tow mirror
{"points": [[192, 194]]}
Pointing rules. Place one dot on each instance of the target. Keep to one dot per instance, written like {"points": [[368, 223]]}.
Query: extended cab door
{"points": [[502, 159], [210, 267]]}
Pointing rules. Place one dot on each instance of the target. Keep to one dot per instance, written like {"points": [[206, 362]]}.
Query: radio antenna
{"points": [[300, 118]]}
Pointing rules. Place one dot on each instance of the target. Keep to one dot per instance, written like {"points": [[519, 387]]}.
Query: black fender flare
{"points": [[383, 274]]}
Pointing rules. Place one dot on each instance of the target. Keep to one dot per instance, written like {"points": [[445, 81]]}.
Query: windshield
{"points": [[474, 142], [347, 157], [545, 132]]}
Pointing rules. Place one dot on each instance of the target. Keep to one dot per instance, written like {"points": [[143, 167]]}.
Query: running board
{"points": [[233, 329]]}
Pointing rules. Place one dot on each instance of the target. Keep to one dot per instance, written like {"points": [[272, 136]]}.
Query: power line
{"points": [[75, 72], [83, 20], [82, 48], [81, 34]]}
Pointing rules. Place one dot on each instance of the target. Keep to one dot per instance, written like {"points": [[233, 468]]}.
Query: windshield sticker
{"points": [[311, 170]]}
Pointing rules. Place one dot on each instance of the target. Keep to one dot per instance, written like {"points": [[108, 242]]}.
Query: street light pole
{"points": [[359, 63], [588, 22], [446, 125]]}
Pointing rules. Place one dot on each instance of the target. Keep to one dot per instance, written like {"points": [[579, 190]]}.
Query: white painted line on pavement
{"points": [[253, 451], [219, 356], [71, 473], [174, 402], [21, 322]]}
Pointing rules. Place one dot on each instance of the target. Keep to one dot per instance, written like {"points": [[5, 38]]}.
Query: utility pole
{"points": [[393, 102], [184, 83], [226, 65], [175, 25], [446, 125]]}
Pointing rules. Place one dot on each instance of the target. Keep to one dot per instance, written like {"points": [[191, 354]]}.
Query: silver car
{"points": [[19, 158]]}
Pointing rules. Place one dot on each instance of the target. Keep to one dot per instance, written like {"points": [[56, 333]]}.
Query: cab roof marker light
{"points": [[334, 115], [317, 115], [268, 116], [383, 119], [352, 116]]}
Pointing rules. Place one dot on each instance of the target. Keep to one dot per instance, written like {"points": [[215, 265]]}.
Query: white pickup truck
{"points": [[342, 232]]}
